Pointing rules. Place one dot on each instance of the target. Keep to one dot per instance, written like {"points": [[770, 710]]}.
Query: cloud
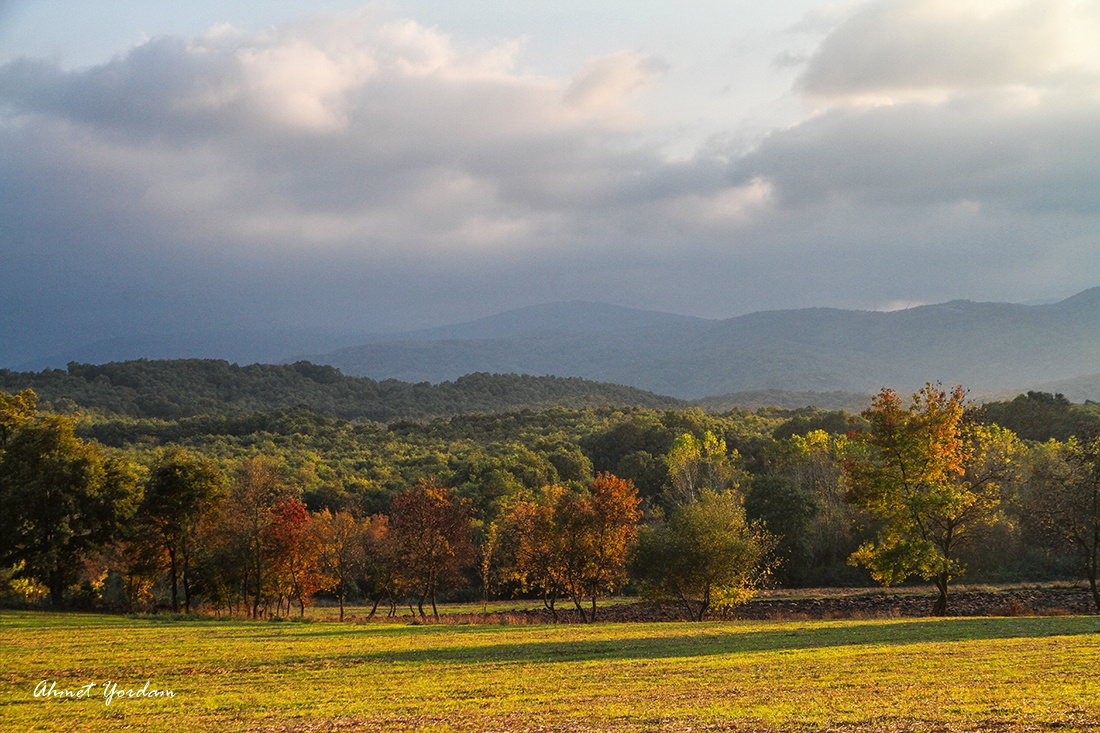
{"points": [[339, 130], [350, 172], [889, 49], [604, 83], [933, 103]]}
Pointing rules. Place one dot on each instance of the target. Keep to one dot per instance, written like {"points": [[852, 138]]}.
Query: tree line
{"points": [[681, 507], [179, 388]]}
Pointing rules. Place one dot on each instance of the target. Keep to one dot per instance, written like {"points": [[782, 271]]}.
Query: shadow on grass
{"points": [[715, 640]]}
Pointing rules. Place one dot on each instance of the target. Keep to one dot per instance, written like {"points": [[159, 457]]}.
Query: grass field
{"points": [[1003, 674]]}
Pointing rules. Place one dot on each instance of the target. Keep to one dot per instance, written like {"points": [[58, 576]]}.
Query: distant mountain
{"points": [[984, 346], [191, 387], [287, 345], [847, 401], [243, 347], [573, 317]]}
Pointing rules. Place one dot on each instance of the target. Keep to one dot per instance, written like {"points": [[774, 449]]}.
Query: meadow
{"points": [[1003, 674]]}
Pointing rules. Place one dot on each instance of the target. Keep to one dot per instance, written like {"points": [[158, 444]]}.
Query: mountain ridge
{"points": [[985, 345]]}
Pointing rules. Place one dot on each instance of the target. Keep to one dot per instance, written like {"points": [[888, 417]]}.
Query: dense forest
{"points": [[113, 499], [190, 387]]}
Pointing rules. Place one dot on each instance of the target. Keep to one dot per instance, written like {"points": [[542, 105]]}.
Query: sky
{"points": [[347, 166]]}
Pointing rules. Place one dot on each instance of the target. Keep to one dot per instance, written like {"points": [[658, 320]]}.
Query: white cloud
{"points": [[901, 49], [339, 130], [604, 83]]}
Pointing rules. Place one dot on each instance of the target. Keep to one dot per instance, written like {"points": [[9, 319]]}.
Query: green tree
{"points": [[181, 487], [63, 498], [799, 493], [1063, 501], [788, 512], [931, 481], [696, 464], [705, 556]]}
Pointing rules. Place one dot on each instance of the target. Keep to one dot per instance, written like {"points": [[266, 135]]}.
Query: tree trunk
{"points": [[687, 605], [1091, 570], [172, 573], [940, 607], [186, 581], [580, 609]]}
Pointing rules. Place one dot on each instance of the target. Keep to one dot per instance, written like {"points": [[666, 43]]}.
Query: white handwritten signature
{"points": [[111, 691]]}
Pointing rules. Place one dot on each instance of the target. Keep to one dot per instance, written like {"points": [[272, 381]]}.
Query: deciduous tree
{"points": [[695, 465], [181, 487], [342, 553], [431, 533], [930, 482], [62, 497], [597, 532], [295, 550], [1063, 501], [250, 514], [536, 543], [706, 555]]}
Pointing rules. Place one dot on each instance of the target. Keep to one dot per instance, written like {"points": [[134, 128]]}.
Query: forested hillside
{"points": [[525, 488], [190, 387], [252, 509]]}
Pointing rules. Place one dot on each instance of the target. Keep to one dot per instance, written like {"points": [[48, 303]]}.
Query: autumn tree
{"points": [[597, 532], [705, 555], [379, 577], [930, 480], [63, 498], [1063, 501], [295, 550], [16, 411], [430, 530], [342, 553], [181, 487], [535, 544], [247, 519]]}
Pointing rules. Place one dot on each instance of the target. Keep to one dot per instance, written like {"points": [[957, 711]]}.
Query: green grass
{"points": [[1003, 674]]}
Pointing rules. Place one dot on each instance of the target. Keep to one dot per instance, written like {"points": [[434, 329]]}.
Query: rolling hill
{"points": [[190, 387]]}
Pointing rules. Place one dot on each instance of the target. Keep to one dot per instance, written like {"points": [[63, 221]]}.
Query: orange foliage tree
{"points": [[431, 539], [599, 529], [295, 551]]}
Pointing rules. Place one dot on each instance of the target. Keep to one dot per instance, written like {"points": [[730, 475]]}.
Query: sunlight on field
{"points": [[954, 674]]}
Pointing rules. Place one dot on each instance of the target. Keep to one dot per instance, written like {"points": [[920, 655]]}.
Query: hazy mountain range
{"points": [[988, 347], [991, 348]]}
